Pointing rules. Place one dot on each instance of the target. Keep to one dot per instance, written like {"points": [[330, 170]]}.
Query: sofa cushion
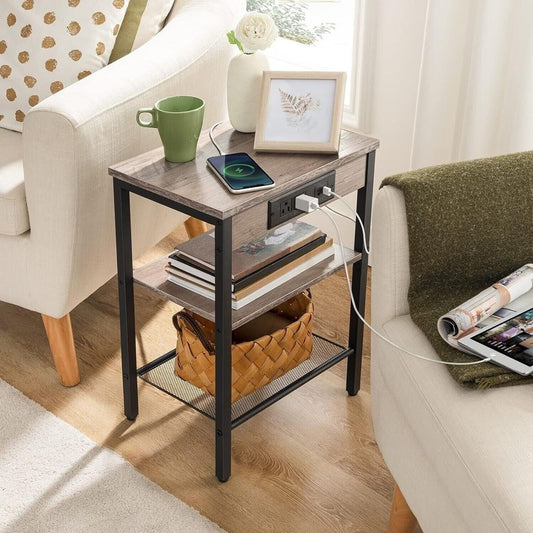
{"points": [[143, 20], [45, 47], [478, 442], [14, 218]]}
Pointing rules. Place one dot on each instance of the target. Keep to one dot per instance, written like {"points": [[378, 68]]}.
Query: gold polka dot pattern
{"points": [[48, 42], [50, 65], [5, 71], [74, 28], [49, 18], [56, 86], [75, 55], [46, 46], [26, 31], [30, 81], [98, 17]]}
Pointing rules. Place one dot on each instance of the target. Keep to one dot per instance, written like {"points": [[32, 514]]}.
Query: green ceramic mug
{"points": [[179, 122]]}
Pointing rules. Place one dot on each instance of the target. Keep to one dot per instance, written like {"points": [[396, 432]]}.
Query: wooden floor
{"points": [[308, 463]]}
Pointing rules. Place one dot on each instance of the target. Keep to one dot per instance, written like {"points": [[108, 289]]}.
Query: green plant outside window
{"points": [[291, 19]]}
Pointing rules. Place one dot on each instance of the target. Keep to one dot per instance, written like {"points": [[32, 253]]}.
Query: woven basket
{"points": [[255, 363]]}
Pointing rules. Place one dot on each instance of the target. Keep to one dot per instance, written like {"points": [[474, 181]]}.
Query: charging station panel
{"points": [[282, 208]]}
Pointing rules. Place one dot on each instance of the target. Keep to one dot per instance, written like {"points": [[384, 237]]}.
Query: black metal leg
{"points": [[223, 235], [126, 302], [359, 274]]}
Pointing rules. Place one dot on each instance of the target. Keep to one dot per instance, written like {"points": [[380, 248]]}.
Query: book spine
{"points": [[181, 262], [323, 256], [198, 290], [187, 269]]}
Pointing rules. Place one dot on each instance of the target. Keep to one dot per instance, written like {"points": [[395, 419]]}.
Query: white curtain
{"points": [[451, 80], [443, 81]]}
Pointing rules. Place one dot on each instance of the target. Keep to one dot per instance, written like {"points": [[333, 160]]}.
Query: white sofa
{"points": [[56, 210], [462, 458]]}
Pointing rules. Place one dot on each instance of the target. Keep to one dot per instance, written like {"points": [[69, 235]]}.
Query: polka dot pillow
{"points": [[47, 45]]}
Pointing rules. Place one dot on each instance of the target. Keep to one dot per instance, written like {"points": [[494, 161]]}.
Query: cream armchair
{"points": [[56, 210], [461, 458]]}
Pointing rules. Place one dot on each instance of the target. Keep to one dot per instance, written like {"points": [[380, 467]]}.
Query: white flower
{"points": [[256, 31]]}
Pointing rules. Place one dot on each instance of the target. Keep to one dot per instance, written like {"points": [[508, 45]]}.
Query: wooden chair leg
{"points": [[195, 227], [61, 340], [402, 519]]}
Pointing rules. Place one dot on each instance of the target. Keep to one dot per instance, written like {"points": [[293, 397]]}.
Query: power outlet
{"points": [[286, 208], [282, 209]]}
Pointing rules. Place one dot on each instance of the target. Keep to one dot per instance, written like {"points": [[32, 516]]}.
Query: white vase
{"points": [[245, 73]]}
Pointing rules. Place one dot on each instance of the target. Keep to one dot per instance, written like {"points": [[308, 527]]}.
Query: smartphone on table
{"points": [[239, 173]]}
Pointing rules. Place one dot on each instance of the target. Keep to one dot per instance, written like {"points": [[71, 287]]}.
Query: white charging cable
{"points": [[418, 356], [343, 215], [211, 130], [327, 191]]}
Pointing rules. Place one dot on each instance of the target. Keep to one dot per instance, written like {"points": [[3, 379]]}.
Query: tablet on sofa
{"points": [[508, 343]]}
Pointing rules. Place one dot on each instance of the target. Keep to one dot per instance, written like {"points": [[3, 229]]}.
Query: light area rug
{"points": [[55, 479]]}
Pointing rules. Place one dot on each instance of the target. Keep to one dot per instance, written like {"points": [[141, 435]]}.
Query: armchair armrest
{"points": [[71, 138], [390, 257]]}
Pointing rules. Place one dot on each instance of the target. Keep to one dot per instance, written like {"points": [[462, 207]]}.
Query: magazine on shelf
{"points": [[508, 296], [242, 298], [279, 242]]}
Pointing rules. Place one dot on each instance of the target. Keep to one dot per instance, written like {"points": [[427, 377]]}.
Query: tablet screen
{"points": [[513, 337]]}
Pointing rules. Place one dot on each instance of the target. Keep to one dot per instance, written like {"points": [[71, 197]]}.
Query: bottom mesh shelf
{"points": [[160, 374]]}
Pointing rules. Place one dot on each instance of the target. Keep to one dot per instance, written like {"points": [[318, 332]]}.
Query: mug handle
{"points": [[152, 123]]}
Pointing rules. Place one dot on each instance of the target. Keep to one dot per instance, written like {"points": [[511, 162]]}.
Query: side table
{"points": [[192, 189]]}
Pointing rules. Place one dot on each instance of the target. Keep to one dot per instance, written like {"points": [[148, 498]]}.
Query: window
{"points": [[317, 35]]}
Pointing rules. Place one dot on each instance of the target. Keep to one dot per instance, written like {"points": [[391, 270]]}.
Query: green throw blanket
{"points": [[469, 225]]}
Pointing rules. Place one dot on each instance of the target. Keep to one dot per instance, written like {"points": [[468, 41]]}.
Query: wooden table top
{"points": [[194, 185]]}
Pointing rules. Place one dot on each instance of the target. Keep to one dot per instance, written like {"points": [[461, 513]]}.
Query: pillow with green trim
{"points": [[46, 46], [143, 20]]}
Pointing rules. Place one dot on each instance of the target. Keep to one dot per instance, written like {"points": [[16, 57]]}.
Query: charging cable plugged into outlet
{"points": [[326, 191], [309, 204]]}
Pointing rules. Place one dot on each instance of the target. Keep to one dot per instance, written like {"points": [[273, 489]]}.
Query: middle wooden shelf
{"points": [[154, 277]]}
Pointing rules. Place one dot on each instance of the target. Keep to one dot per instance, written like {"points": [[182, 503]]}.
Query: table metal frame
{"points": [[223, 311]]}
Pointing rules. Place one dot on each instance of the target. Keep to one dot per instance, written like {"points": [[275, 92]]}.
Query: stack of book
{"points": [[257, 267]]}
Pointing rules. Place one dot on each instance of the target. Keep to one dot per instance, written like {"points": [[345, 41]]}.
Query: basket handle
{"points": [[195, 327]]}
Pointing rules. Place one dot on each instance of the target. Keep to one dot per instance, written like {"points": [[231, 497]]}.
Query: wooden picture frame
{"points": [[300, 112]]}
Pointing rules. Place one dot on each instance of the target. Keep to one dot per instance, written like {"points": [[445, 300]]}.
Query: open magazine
{"points": [[506, 297]]}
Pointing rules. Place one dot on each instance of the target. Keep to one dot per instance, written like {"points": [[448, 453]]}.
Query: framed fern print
{"points": [[300, 112]]}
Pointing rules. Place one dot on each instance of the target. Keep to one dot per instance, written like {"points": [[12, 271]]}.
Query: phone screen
{"points": [[240, 171]]}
